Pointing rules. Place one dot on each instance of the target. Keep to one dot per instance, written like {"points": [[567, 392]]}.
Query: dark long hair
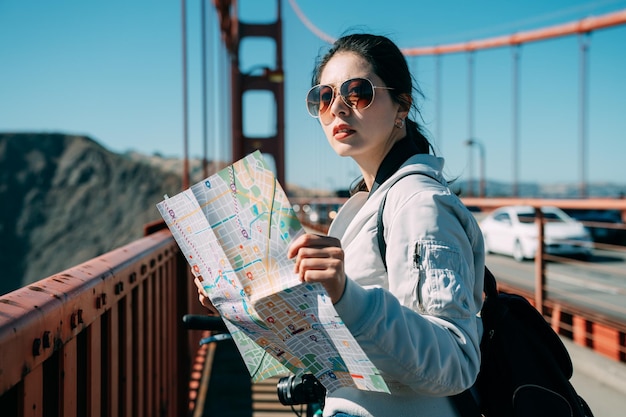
{"points": [[389, 64]]}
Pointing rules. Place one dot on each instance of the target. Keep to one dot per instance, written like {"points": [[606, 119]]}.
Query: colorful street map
{"points": [[234, 229]]}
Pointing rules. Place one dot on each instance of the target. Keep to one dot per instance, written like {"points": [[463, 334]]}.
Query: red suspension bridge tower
{"points": [[269, 79]]}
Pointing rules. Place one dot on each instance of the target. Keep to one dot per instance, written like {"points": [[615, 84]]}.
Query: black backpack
{"points": [[525, 368]]}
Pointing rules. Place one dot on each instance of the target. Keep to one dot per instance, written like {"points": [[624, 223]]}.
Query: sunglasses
{"points": [[357, 93]]}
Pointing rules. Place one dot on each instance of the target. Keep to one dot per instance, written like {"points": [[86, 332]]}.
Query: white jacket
{"points": [[417, 322]]}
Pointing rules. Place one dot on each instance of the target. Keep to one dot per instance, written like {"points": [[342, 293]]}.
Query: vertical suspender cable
{"points": [[211, 75], [438, 102], [470, 115], [205, 161], [228, 138], [515, 105], [470, 169], [218, 117], [582, 116], [185, 139]]}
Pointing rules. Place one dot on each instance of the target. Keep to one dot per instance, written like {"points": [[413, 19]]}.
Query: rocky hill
{"points": [[66, 199]]}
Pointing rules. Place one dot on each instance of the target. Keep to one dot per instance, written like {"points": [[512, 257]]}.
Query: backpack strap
{"points": [[382, 245], [465, 402]]}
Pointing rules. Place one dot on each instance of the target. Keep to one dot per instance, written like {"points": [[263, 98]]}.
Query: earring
{"points": [[399, 123]]}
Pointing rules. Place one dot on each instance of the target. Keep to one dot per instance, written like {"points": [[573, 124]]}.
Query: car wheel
{"points": [[518, 252]]}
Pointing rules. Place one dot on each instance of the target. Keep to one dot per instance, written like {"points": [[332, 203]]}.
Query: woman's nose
{"points": [[338, 106]]}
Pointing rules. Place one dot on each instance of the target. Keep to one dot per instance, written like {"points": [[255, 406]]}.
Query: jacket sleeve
{"points": [[423, 332]]}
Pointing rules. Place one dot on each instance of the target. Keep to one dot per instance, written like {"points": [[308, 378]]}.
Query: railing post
{"points": [[540, 269]]}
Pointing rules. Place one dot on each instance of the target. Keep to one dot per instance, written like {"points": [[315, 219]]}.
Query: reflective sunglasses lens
{"points": [[319, 99], [313, 102], [357, 93], [325, 94]]}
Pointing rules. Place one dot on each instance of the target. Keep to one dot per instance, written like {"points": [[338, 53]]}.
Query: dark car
{"points": [[596, 219]]}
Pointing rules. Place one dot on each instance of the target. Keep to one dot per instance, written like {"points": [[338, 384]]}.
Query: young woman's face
{"points": [[367, 134]]}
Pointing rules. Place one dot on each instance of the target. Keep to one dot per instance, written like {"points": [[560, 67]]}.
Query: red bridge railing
{"points": [[102, 338]]}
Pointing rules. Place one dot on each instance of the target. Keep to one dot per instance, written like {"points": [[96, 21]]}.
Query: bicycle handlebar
{"points": [[201, 322]]}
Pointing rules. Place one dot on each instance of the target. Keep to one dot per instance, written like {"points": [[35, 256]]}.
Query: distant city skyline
{"points": [[114, 72]]}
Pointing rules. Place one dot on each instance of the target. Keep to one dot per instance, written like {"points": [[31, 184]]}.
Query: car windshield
{"points": [[529, 217], [526, 217]]}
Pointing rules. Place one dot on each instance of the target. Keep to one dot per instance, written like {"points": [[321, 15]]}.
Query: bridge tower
{"points": [[268, 79]]}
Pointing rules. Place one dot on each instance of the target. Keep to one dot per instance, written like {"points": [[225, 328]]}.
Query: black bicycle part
{"points": [[201, 322]]}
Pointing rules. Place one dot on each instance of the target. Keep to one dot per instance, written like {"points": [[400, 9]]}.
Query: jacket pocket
{"points": [[444, 275]]}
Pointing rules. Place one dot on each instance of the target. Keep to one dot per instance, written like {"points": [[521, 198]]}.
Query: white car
{"points": [[511, 230]]}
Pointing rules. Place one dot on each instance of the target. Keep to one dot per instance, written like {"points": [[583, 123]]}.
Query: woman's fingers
{"points": [[320, 259], [311, 241], [320, 268], [203, 297], [314, 246]]}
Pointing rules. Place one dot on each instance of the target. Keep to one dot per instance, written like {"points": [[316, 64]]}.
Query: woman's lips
{"points": [[342, 131]]}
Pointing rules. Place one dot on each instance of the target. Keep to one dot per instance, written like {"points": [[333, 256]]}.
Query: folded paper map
{"points": [[234, 229]]}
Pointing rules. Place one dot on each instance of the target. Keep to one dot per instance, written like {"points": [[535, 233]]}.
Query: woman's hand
{"points": [[204, 298], [320, 259]]}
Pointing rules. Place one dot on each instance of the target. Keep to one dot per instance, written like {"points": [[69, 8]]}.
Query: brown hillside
{"points": [[66, 199]]}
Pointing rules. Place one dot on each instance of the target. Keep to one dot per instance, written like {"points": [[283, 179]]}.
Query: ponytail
{"points": [[414, 132]]}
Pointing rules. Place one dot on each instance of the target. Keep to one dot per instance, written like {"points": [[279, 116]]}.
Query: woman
{"points": [[417, 319]]}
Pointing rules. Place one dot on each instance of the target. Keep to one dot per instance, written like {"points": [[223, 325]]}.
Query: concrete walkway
{"points": [[599, 380]]}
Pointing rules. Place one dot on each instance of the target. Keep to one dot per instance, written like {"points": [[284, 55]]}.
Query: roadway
{"points": [[599, 285]]}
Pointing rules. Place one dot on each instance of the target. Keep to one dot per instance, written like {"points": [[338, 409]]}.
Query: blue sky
{"points": [[113, 71]]}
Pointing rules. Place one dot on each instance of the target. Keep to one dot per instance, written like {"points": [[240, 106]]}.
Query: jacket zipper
{"points": [[416, 265]]}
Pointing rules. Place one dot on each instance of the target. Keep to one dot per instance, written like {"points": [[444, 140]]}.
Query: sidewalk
{"points": [[599, 380]]}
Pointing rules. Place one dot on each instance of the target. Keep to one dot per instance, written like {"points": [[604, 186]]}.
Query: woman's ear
{"points": [[405, 105]]}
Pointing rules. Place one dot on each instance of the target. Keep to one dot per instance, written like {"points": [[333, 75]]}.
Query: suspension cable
{"points": [[576, 27]]}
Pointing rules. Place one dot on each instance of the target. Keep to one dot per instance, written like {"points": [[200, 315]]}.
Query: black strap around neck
{"points": [[398, 154]]}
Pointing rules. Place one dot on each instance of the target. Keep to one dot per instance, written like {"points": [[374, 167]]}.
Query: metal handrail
{"points": [[102, 338]]}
